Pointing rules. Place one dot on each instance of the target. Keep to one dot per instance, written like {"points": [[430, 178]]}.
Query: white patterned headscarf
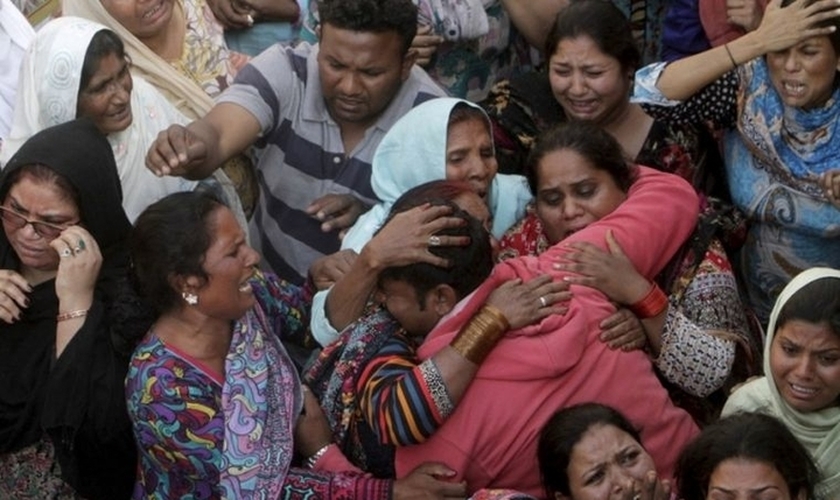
{"points": [[50, 79], [179, 89], [47, 96]]}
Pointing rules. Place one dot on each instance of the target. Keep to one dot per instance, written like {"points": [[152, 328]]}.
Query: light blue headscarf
{"points": [[413, 152]]}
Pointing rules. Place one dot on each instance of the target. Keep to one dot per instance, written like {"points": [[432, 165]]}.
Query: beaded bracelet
{"points": [[71, 315], [652, 304], [479, 336], [311, 461]]}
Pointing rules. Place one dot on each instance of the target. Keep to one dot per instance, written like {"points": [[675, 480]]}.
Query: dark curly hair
{"points": [[377, 16], [470, 264]]}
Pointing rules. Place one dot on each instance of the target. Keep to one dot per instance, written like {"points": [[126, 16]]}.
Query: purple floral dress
{"points": [[203, 434]]}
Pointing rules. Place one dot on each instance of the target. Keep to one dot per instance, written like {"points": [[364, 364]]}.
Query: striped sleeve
{"points": [[403, 402]]}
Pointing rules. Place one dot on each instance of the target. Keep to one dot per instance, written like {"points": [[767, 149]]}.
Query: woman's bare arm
{"points": [[781, 28]]}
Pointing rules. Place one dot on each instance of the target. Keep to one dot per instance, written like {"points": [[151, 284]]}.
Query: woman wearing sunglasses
{"points": [[64, 430]]}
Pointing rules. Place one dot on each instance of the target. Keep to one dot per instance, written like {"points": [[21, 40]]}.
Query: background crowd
{"points": [[420, 249]]}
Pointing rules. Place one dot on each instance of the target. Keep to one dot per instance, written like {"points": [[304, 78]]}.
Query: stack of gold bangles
{"points": [[480, 335]]}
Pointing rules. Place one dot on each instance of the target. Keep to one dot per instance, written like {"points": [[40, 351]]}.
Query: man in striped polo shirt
{"points": [[315, 115]]}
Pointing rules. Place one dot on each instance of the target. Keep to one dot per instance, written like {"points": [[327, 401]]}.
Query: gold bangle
{"points": [[71, 315], [732, 59], [480, 335], [497, 314]]}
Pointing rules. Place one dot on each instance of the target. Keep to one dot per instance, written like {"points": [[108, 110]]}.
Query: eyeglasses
{"points": [[44, 229]]}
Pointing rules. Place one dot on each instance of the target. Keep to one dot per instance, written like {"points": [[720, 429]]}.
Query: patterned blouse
{"points": [[205, 57], [176, 406], [716, 103], [403, 399]]}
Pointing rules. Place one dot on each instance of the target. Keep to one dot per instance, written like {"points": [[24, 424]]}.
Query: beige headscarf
{"points": [[818, 431], [181, 91], [184, 93], [47, 96]]}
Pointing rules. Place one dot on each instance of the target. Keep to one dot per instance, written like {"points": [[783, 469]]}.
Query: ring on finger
{"points": [[66, 252], [79, 249], [81, 245], [434, 240], [543, 302]]}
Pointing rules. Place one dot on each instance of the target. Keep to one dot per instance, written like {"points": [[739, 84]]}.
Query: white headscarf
{"points": [[184, 93], [818, 431], [48, 93]]}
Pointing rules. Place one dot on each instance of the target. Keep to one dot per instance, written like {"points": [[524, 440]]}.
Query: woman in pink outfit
{"points": [[491, 438]]}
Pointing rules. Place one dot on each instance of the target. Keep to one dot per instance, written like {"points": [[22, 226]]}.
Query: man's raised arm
{"points": [[197, 150]]}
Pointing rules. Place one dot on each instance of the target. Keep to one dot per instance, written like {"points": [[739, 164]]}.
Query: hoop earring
{"points": [[190, 298]]}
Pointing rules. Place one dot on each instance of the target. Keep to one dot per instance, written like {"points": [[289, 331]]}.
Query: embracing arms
{"points": [[404, 400]]}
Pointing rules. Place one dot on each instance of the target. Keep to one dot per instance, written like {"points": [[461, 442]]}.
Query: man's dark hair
{"points": [[469, 266], [377, 16]]}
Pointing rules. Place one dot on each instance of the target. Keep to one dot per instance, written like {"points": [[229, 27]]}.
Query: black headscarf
{"points": [[82, 155], [77, 399]]}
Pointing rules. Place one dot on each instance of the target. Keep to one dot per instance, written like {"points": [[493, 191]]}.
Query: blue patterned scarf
{"points": [[795, 145]]}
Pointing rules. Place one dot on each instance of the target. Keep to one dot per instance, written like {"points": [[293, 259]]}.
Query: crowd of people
{"points": [[420, 249]]}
